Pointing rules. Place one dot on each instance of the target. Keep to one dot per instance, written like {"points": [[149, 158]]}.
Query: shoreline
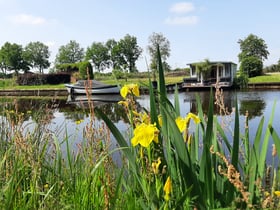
{"points": [[63, 92]]}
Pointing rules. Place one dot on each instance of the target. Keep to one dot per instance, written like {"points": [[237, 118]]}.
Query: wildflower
{"points": [[145, 118], [79, 122], [155, 165], [167, 189], [277, 193], [46, 186], [183, 123], [130, 89], [194, 117], [123, 103], [144, 134]]}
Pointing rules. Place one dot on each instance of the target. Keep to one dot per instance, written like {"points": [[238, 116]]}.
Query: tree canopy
{"points": [[129, 52], [157, 39], [99, 55], [37, 55], [253, 53], [253, 46], [70, 53], [11, 58]]}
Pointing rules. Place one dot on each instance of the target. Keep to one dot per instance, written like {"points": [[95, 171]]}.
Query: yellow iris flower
{"points": [[130, 89], [183, 123], [167, 189], [155, 165], [277, 193], [144, 134]]}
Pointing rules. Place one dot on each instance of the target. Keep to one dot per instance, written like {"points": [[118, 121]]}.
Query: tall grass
{"points": [[165, 163], [208, 169]]}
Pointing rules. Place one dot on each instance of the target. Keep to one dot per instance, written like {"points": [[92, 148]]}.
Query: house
{"points": [[210, 74]]}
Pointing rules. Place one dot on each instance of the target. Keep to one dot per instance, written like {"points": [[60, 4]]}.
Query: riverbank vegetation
{"points": [[168, 161]]}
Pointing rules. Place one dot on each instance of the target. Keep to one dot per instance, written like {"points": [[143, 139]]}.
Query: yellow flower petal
{"points": [[124, 91], [181, 123], [277, 193], [155, 165], [144, 134], [194, 117], [167, 189]]}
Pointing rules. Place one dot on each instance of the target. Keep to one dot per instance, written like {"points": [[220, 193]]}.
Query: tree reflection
{"points": [[254, 107]]}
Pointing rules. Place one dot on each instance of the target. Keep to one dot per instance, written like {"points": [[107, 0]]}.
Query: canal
{"points": [[65, 116]]}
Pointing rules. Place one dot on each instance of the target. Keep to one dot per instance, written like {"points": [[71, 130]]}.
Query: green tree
{"points": [[253, 53], [252, 66], [157, 39], [129, 52], [253, 46], [70, 53], [37, 55], [98, 53], [204, 68], [11, 58], [114, 53]]}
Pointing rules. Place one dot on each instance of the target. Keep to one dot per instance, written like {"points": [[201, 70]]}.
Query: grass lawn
{"points": [[269, 77]]}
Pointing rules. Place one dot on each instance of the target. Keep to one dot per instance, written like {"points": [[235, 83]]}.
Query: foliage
{"points": [[170, 161], [252, 66], [85, 70], [252, 46], [11, 58], [99, 55], [241, 81], [37, 55], [70, 53], [42, 79], [129, 52], [253, 52], [157, 39], [171, 167], [272, 68]]}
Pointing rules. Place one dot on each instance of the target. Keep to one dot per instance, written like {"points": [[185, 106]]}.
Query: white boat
{"points": [[91, 87]]}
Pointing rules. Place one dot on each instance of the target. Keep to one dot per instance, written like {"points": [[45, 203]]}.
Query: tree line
{"points": [[121, 55]]}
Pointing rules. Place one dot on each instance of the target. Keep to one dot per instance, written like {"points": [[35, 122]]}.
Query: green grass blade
{"points": [[206, 165], [263, 154], [235, 147], [176, 101]]}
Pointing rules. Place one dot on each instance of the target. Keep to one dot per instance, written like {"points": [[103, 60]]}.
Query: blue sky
{"points": [[196, 29]]}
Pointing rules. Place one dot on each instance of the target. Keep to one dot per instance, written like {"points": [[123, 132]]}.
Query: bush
{"points": [[241, 81], [252, 66], [41, 79]]}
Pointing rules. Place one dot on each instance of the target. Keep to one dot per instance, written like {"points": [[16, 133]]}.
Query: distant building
{"points": [[221, 73]]}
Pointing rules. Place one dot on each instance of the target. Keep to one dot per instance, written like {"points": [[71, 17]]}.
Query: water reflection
{"points": [[255, 102], [42, 110]]}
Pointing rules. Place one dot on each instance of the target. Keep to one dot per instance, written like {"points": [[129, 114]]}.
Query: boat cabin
{"points": [[208, 74]]}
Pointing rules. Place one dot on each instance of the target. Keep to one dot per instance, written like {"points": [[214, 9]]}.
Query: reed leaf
{"points": [[206, 164], [264, 148]]}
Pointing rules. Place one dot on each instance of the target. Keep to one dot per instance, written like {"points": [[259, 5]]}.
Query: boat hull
{"points": [[82, 90]]}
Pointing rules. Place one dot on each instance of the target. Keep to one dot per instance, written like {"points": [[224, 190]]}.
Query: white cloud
{"points": [[28, 19], [185, 20], [182, 7]]}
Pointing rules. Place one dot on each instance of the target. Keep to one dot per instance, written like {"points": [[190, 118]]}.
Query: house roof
{"points": [[213, 62]]}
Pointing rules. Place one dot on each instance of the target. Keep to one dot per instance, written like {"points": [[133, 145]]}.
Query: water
{"points": [[61, 116]]}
